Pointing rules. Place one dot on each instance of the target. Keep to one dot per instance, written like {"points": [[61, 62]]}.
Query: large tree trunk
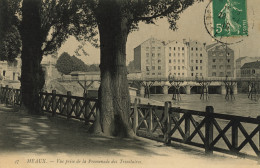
{"points": [[113, 92], [32, 78]]}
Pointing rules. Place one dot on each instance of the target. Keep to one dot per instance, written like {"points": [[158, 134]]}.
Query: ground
{"points": [[61, 143]]}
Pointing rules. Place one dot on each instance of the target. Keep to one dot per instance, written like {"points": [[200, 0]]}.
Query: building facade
{"points": [[241, 61], [251, 69], [176, 55], [220, 60], [197, 59], [10, 71], [149, 59]]}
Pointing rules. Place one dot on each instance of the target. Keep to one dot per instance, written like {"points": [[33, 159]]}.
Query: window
{"points": [[147, 73], [228, 54], [153, 48], [191, 54], [179, 61], [147, 61], [159, 48], [191, 48], [200, 61], [182, 48], [3, 73], [159, 61], [200, 74], [153, 54], [170, 54], [228, 73], [200, 67], [214, 74], [214, 60], [228, 67], [182, 74], [191, 61], [220, 60], [221, 74], [191, 68], [196, 61], [253, 71], [182, 60], [221, 67], [174, 67], [178, 54], [153, 73], [196, 49], [174, 60], [191, 74], [174, 54], [170, 48], [182, 67], [174, 48], [170, 61], [228, 60], [197, 68], [214, 66], [147, 68], [159, 67], [159, 54], [147, 48], [178, 48], [170, 68], [200, 48], [159, 73], [147, 54], [196, 54], [179, 74], [200, 54], [179, 67], [153, 67], [182, 54]]}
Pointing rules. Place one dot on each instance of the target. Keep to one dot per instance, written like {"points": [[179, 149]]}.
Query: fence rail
{"points": [[211, 131], [10, 95], [69, 106], [224, 133]]}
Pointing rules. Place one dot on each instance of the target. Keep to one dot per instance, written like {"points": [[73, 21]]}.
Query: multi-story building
{"points": [[251, 69], [10, 71], [149, 58], [176, 59], [241, 61], [197, 59], [220, 60]]}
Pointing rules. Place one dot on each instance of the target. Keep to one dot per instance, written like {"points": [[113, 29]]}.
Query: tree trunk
{"points": [[32, 78], [113, 92]]}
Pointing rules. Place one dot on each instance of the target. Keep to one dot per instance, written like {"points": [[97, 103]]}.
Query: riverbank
{"points": [[56, 142]]}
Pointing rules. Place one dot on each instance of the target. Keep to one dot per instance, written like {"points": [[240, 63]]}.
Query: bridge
{"points": [[178, 85]]}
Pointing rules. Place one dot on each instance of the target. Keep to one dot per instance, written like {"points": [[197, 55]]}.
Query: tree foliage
{"points": [[67, 64]]}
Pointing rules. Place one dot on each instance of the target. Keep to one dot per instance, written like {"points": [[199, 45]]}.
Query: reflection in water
{"points": [[241, 106]]}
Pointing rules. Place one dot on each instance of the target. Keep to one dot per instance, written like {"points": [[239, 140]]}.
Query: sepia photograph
{"points": [[129, 83]]}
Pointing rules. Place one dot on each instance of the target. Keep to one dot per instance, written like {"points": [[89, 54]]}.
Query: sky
{"points": [[190, 26]]}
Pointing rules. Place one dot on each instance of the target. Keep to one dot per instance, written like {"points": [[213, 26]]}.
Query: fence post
{"points": [[150, 118], [234, 136], [187, 126], [135, 126], [6, 95], [167, 119], [258, 117], [87, 109], [209, 130], [53, 102], [68, 104]]}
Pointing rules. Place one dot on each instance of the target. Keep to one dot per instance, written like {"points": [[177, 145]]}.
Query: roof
{"points": [[241, 58], [151, 38], [255, 65], [85, 73], [214, 45]]}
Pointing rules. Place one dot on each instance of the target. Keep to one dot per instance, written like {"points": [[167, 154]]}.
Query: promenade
{"points": [[26, 140]]}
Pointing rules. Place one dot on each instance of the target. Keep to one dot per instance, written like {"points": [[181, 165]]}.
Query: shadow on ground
{"points": [[20, 132]]}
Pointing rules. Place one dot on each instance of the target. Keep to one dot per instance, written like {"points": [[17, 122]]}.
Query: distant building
{"points": [[241, 61], [176, 54], [251, 69], [220, 60], [197, 59], [149, 59], [10, 71]]}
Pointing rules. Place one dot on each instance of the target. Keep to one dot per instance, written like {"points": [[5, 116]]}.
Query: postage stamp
{"points": [[229, 18]]}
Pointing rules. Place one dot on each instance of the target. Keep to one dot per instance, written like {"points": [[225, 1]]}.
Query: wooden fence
{"points": [[10, 95], [224, 133], [211, 131], [69, 106]]}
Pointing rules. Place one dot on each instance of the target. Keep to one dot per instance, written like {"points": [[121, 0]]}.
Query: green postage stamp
{"points": [[229, 18]]}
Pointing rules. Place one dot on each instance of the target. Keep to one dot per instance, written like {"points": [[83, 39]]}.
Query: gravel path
{"points": [[61, 143]]}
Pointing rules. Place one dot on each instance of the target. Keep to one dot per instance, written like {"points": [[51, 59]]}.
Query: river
{"points": [[241, 106]]}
